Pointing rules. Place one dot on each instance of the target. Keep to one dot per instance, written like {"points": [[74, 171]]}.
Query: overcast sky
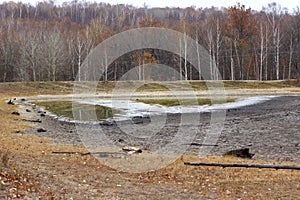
{"points": [[254, 4]]}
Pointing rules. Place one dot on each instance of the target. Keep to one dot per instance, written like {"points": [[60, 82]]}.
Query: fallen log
{"points": [[199, 144], [71, 152], [259, 166], [101, 154], [31, 120], [35, 121]]}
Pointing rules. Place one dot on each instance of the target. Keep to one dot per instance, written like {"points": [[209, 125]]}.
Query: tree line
{"points": [[49, 42]]}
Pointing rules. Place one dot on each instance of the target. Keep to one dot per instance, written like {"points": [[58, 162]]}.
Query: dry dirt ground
{"points": [[29, 170]]}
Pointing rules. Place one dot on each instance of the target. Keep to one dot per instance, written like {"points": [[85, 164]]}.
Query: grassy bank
{"points": [[36, 88]]}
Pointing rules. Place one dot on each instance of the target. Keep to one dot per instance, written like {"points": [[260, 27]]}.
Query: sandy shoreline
{"points": [[269, 129]]}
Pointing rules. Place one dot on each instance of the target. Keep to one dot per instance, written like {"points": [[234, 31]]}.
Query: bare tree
{"points": [[81, 45], [266, 64], [54, 53], [30, 53], [214, 38], [185, 56], [274, 16], [296, 25], [180, 58], [219, 40], [290, 57], [261, 52], [198, 56], [7, 59]]}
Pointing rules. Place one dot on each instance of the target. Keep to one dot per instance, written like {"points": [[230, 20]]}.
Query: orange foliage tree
{"points": [[241, 27]]}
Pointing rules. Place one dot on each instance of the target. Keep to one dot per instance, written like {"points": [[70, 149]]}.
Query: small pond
{"points": [[126, 109]]}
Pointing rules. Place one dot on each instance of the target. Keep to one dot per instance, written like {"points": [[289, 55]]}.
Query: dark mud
{"points": [[271, 130]]}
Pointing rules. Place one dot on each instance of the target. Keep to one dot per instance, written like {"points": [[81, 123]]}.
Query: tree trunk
{"points": [[106, 65], [261, 53], [180, 58], [218, 46], [238, 58], [277, 54], [198, 57], [185, 57], [210, 49], [232, 69], [266, 65], [290, 58]]}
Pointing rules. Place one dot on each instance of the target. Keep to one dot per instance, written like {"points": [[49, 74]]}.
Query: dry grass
{"points": [[234, 183], [31, 170], [261, 84], [295, 91], [35, 88]]}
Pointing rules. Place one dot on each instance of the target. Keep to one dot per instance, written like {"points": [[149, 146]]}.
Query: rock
{"points": [[23, 99], [119, 140], [11, 102], [27, 110], [41, 130], [132, 150], [108, 123], [42, 115], [36, 121], [147, 119], [15, 113], [141, 119], [242, 153], [137, 119]]}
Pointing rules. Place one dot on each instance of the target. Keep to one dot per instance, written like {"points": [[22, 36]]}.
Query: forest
{"points": [[48, 42]]}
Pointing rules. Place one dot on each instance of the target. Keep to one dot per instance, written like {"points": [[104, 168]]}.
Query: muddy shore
{"points": [[271, 130]]}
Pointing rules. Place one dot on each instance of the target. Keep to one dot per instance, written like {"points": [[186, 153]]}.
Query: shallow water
{"points": [[132, 108]]}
